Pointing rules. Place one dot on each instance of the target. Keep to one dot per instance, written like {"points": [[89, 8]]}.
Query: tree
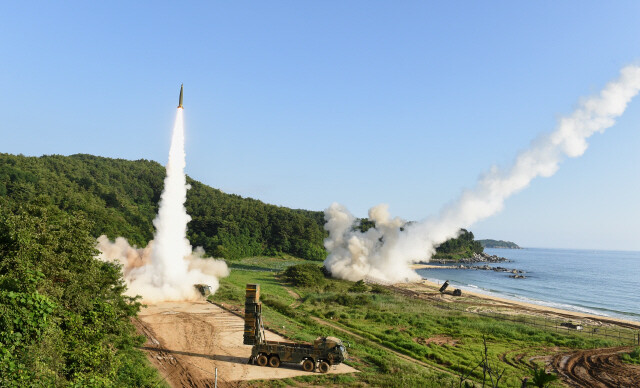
{"points": [[121, 198], [63, 317]]}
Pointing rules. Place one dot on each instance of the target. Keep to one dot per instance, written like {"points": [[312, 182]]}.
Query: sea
{"points": [[605, 283]]}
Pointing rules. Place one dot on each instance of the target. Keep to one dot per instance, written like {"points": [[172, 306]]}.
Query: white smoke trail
{"points": [[167, 268], [386, 251]]}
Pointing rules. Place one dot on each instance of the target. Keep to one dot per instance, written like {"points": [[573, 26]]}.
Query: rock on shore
{"points": [[476, 258], [484, 258]]}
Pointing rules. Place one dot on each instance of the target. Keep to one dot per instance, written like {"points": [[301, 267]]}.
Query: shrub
{"points": [[304, 275], [358, 286], [541, 378], [378, 289], [633, 357]]}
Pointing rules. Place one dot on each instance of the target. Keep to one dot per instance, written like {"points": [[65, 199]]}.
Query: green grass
{"points": [[633, 357], [393, 321]]}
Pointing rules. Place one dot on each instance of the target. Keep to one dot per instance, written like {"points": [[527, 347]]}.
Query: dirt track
{"points": [[186, 341], [597, 368]]}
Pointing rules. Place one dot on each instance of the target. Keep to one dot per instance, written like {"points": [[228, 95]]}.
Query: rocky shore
{"points": [[516, 273], [476, 258], [483, 258]]}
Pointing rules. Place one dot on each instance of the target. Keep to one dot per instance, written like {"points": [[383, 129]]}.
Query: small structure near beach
{"points": [[572, 325]]}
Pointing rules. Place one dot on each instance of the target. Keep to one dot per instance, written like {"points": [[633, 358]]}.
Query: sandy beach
{"points": [[431, 266], [477, 302]]}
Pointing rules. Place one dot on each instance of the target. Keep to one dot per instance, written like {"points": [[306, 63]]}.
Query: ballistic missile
{"points": [[180, 101]]}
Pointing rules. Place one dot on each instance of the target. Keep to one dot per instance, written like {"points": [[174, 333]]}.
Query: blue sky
{"points": [[302, 104]]}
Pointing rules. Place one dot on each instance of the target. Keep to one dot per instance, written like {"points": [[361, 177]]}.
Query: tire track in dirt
{"points": [[597, 368], [296, 296], [172, 370], [187, 341]]}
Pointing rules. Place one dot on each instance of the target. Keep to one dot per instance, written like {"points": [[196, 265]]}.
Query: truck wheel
{"points": [[262, 360], [324, 367], [274, 361], [308, 365]]}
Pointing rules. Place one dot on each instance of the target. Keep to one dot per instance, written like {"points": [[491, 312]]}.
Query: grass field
{"points": [[440, 344], [633, 357]]}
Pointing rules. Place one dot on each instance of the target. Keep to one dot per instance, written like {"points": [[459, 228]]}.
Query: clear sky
{"points": [[302, 104]]}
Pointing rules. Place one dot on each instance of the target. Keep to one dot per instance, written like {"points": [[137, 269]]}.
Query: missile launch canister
{"points": [[180, 101]]}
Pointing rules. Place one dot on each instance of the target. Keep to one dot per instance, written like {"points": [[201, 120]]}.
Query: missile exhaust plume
{"points": [[167, 268], [387, 251]]}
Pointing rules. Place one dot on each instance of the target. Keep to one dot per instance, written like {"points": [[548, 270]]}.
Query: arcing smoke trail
{"points": [[167, 268], [386, 252]]}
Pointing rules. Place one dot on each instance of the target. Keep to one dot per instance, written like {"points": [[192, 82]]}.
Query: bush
{"points": [[378, 289], [358, 286], [304, 275], [347, 300], [633, 357]]}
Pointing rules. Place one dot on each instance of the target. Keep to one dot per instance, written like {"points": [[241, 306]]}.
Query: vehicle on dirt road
{"points": [[322, 354], [203, 289]]}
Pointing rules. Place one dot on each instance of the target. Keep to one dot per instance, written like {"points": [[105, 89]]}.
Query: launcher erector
{"points": [[253, 327]]}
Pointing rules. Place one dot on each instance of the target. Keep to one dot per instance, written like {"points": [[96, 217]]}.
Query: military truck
{"points": [[456, 292], [323, 353], [203, 289]]}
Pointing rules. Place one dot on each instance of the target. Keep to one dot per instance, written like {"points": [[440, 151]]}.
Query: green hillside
{"points": [[64, 321], [488, 243], [462, 247], [121, 198], [63, 318]]}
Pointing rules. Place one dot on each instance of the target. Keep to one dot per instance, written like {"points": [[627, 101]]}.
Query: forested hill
{"points": [[121, 197], [488, 243], [462, 247]]}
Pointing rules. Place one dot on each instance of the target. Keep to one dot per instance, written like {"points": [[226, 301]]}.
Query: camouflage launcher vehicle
{"points": [[323, 353], [203, 289]]}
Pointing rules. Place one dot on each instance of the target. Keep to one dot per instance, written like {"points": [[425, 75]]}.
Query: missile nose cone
{"points": [[180, 100]]}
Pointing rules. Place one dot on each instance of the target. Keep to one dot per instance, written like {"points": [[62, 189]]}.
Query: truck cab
{"points": [[332, 348]]}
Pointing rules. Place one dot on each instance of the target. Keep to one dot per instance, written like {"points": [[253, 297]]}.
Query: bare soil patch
{"points": [[294, 294], [597, 368], [186, 341], [437, 340]]}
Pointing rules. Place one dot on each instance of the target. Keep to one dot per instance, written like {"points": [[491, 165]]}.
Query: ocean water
{"points": [[605, 283]]}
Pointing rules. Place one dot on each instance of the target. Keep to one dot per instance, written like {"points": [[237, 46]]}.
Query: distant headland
{"points": [[488, 243]]}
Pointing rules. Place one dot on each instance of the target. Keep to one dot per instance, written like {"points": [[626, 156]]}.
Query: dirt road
{"points": [[186, 341], [597, 368]]}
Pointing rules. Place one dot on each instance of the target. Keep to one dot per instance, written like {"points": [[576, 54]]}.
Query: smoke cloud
{"points": [[387, 251], [167, 268]]}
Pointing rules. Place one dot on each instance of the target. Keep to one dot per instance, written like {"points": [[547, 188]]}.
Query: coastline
{"points": [[431, 266], [480, 300]]}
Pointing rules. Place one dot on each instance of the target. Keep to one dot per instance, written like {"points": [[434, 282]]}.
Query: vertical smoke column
{"points": [[170, 242], [167, 269]]}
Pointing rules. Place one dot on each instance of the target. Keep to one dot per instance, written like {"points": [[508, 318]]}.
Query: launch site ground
{"points": [[186, 341], [403, 335]]}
